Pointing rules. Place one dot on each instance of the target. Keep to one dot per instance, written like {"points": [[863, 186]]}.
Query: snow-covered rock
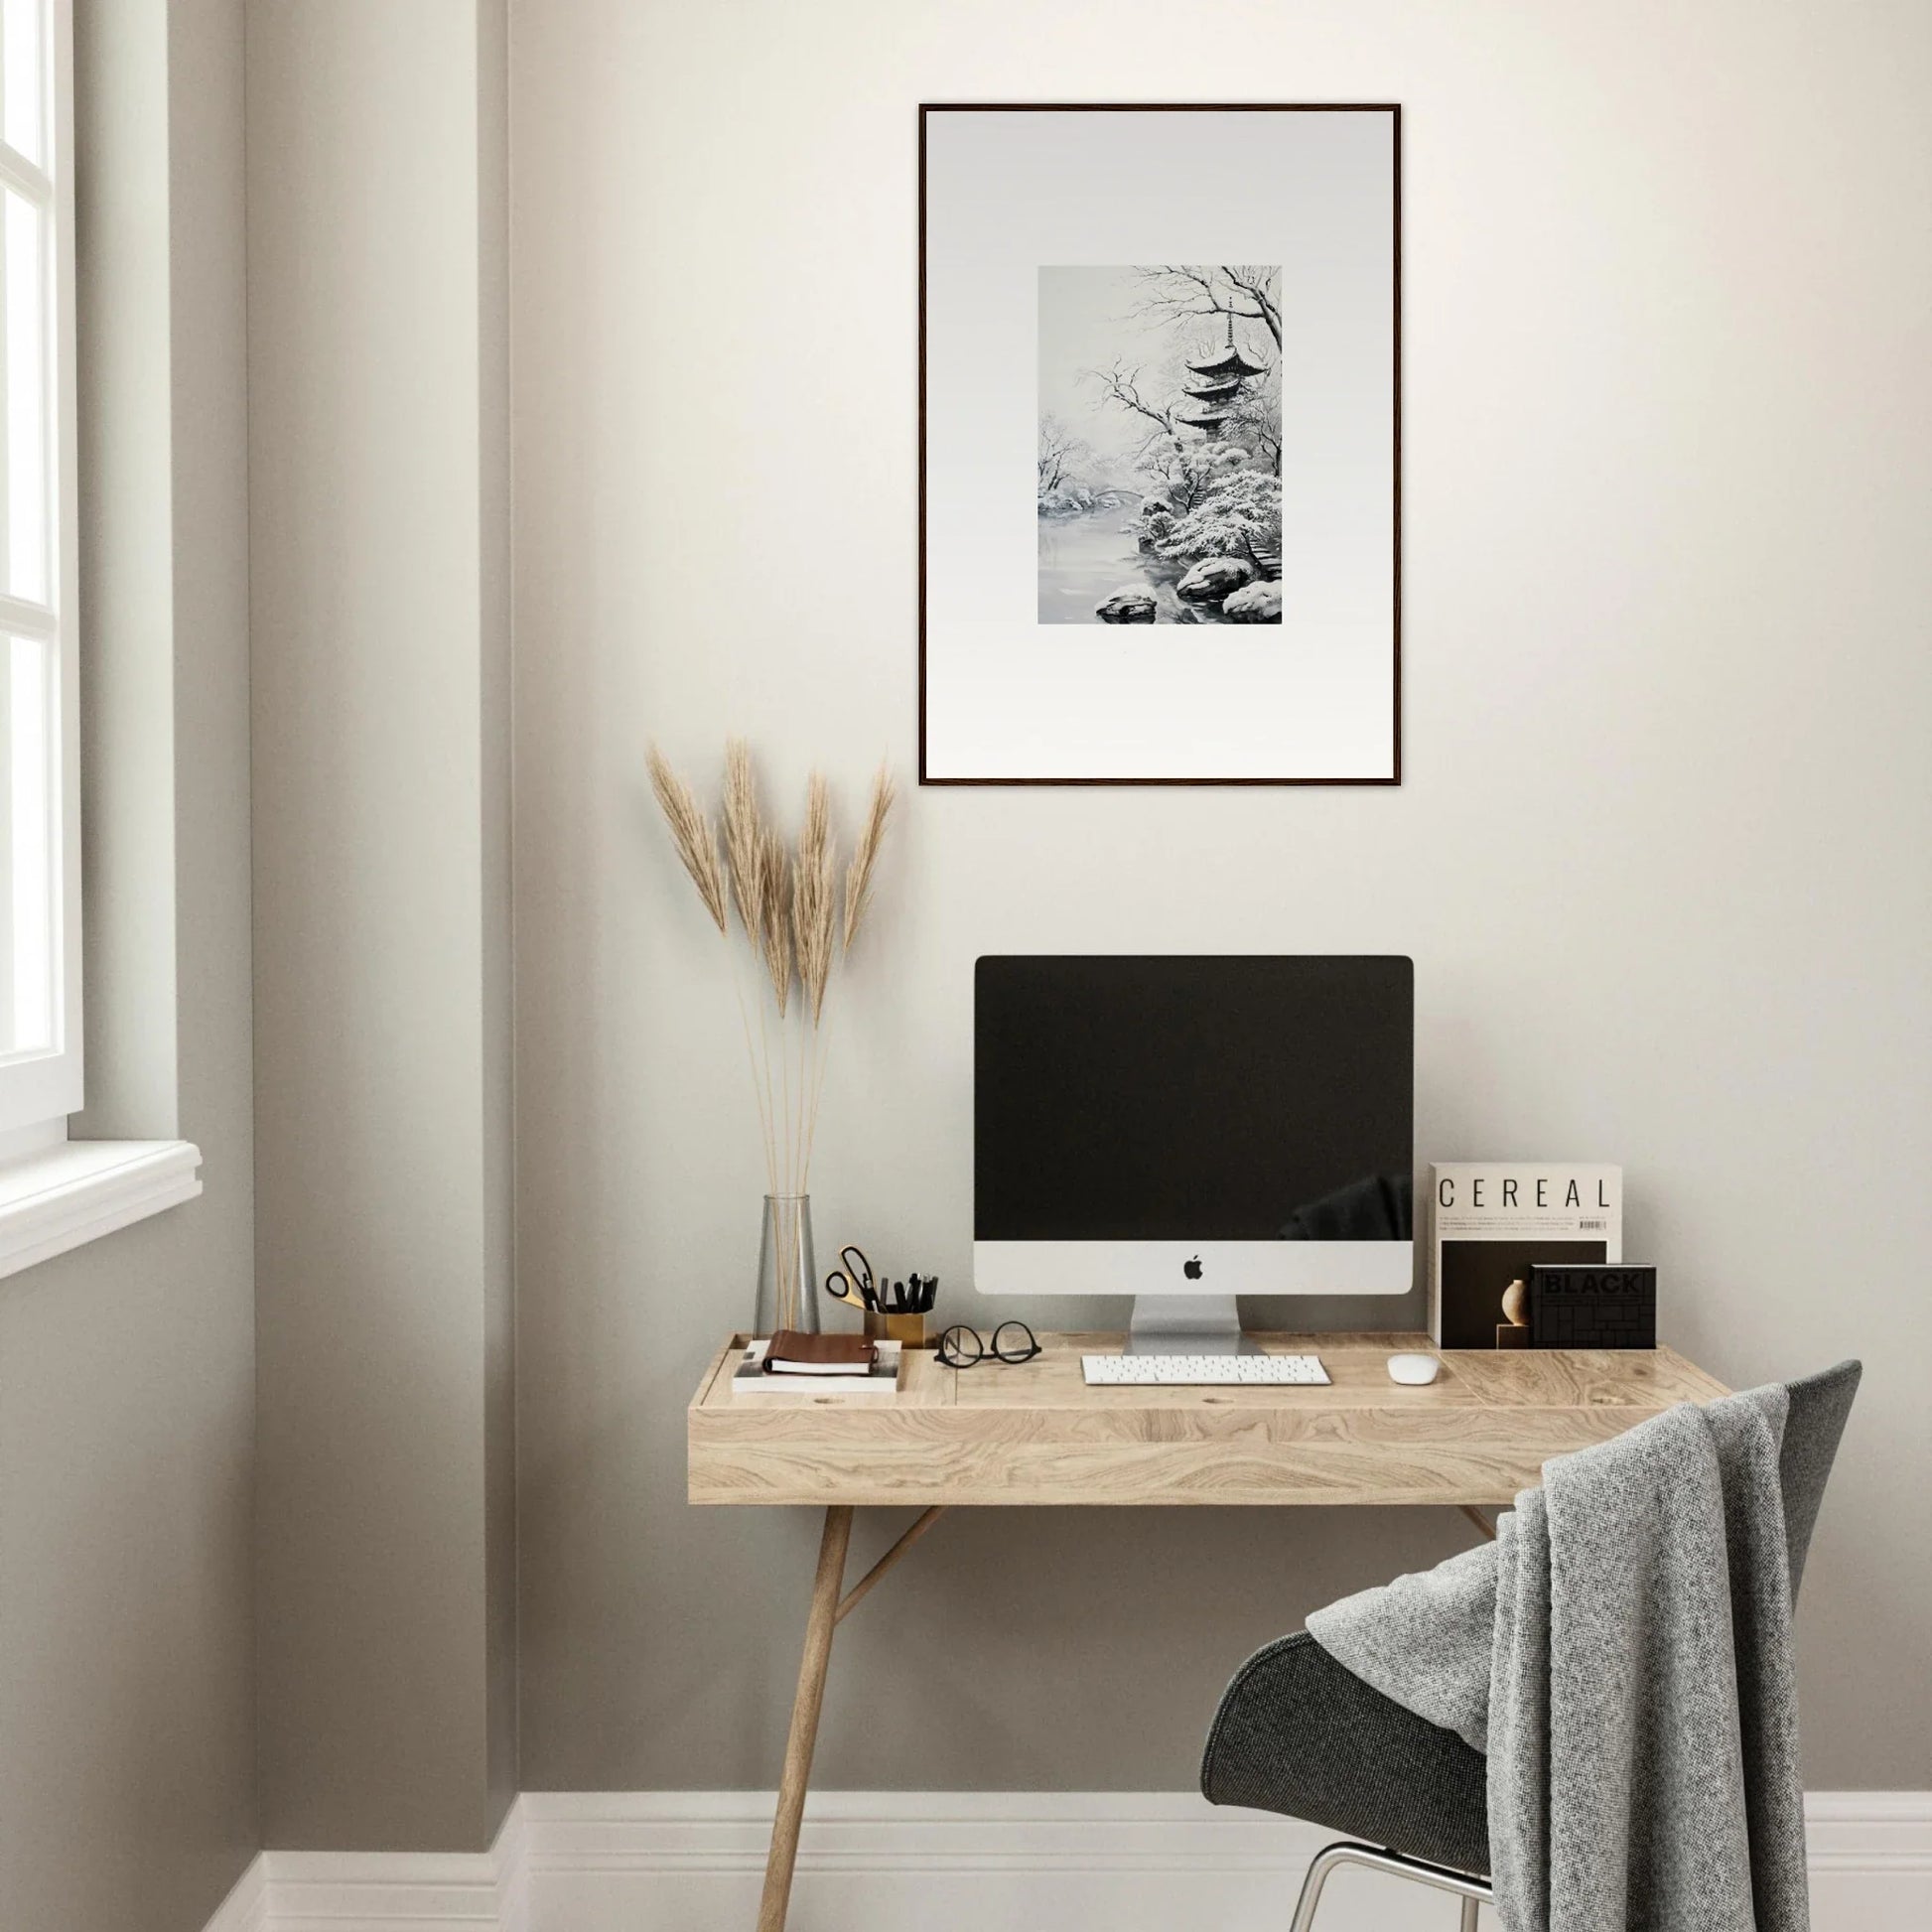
{"points": [[1254, 604], [1213, 578], [1129, 604]]}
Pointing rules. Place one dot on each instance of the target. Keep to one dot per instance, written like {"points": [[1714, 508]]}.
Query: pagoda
{"points": [[1219, 380]]}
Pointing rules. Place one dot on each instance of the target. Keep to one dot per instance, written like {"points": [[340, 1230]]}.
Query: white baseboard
{"points": [[385, 1891], [956, 1861], [245, 1909], [1870, 1853]]}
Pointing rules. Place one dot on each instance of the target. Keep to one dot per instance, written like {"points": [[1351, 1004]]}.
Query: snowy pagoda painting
{"points": [[1158, 475], [1192, 315]]}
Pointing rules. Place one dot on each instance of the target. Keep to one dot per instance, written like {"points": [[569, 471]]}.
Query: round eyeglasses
{"points": [[962, 1347]]}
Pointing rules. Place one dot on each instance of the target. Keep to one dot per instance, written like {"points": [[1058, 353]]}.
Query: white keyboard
{"points": [[1201, 1371]]}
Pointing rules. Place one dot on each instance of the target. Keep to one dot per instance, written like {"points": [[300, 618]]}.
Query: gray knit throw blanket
{"points": [[1622, 1652]]}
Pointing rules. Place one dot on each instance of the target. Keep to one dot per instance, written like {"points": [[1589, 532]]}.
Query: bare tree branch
{"points": [[1122, 385], [1243, 291]]}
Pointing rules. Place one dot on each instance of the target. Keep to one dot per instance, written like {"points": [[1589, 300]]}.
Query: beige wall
{"points": [[126, 1367], [377, 406], [1660, 857]]}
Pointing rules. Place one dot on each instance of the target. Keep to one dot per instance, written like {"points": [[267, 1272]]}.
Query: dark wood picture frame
{"points": [[1394, 110]]}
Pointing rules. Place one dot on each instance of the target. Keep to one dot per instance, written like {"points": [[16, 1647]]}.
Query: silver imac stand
{"points": [[1186, 1325]]}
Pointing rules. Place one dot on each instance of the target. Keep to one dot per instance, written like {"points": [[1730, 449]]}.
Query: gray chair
{"points": [[1297, 1734]]}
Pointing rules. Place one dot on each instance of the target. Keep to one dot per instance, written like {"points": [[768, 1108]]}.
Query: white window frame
{"points": [[39, 1088], [56, 1193]]}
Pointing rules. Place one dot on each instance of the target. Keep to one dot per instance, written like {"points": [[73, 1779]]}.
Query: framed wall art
{"points": [[1189, 317]]}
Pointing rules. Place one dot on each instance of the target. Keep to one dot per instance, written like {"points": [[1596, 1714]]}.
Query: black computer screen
{"points": [[1239, 1098]]}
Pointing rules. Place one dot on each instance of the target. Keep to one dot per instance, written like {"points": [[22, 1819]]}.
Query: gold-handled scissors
{"points": [[852, 1282]]}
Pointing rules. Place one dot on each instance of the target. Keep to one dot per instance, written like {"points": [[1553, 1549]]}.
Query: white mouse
{"points": [[1414, 1369]]}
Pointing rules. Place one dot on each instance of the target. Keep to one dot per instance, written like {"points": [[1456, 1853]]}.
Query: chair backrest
{"points": [[1819, 1406]]}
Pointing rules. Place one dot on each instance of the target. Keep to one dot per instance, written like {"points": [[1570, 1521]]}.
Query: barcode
{"points": [[1593, 1224]]}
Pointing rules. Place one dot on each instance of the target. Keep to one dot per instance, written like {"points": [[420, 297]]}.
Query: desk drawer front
{"points": [[1214, 1451]]}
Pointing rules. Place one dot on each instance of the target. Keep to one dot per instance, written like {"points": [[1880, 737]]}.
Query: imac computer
{"points": [[1184, 1130]]}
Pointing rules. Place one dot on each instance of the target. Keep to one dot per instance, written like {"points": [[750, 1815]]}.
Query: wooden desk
{"points": [[1033, 1433]]}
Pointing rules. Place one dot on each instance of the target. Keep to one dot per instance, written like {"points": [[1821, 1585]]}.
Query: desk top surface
{"points": [[1034, 1434]]}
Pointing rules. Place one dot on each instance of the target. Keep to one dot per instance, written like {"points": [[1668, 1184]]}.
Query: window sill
{"points": [[82, 1190]]}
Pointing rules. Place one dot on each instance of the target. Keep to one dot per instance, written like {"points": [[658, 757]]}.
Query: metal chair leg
{"points": [[1471, 1890], [1325, 1861]]}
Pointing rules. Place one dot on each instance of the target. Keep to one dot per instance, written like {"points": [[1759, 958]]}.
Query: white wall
{"points": [[1660, 853]]}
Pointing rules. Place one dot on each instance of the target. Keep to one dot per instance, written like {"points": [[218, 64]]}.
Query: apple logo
{"points": [[1192, 1269]]}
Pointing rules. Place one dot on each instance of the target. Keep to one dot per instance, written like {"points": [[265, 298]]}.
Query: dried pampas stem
{"points": [[814, 924], [774, 917], [747, 854], [691, 834], [697, 846], [814, 898], [743, 835], [865, 855]]}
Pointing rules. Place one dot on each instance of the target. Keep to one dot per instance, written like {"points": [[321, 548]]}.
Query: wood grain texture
{"points": [[802, 1739], [1033, 1434]]}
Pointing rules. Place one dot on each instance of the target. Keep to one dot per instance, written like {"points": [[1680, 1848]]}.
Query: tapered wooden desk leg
{"points": [[805, 1720]]}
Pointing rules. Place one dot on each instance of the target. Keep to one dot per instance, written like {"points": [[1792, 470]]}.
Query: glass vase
{"points": [[787, 1272]]}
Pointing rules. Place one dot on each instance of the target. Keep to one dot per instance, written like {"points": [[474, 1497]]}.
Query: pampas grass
{"points": [[814, 899], [797, 926], [858, 874], [691, 833], [744, 843]]}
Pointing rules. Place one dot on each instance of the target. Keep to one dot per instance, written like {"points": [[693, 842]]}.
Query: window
{"points": [[40, 884], [54, 1192]]}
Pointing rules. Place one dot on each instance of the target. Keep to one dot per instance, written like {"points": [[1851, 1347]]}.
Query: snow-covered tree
{"points": [[1241, 516], [1183, 470]]}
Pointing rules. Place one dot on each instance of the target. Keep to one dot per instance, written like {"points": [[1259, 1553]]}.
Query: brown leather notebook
{"points": [[792, 1353]]}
